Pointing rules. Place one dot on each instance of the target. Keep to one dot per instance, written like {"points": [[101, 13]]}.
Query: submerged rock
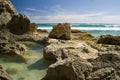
{"points": [[4, 75], [109, 39], [61, 31]]}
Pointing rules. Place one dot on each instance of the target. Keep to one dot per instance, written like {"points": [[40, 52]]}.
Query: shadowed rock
{"points": [[19, 24], [109, 39], [10, 18]]}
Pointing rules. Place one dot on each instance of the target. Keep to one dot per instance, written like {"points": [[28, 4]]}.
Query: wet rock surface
{"points": [[4, 75]]}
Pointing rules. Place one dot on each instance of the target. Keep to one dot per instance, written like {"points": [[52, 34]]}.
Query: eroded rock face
{"points": [[19, 24], [61, 31], [9, 46], [60, 49], [104, 67], [10, 18], [7, 11], [4, 75], [69, 69], [109, 39]]}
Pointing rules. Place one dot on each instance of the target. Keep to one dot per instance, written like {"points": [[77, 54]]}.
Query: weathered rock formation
{"points": [[19, 24], [105, 67], [109, 39], [33, 28], [10, 18], [60, 49], [69, 69], [61, 31], [7, 11], [4, 75], [11, 47]]}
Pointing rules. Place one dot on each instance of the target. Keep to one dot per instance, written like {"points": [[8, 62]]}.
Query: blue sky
{"points": [[73, 11]]}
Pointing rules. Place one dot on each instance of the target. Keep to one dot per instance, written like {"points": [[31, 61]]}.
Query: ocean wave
{"points": [[95, 25], [87, 28]]}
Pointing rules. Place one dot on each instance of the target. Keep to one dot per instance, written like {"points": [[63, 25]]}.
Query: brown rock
{"points": [[61, 31], [42, 31], [33, 28], [7, 11], [104, 67], [19, 24], [109, 39], [60, 49], [10, 18], [68, 69], [83, 36]]}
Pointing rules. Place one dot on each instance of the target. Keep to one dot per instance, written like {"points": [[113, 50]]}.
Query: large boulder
{"points": [[69, 69], [33, 28], [104, 67], [61, 31], [4, 75], [17, 23], [109, 39], [7, 11]]}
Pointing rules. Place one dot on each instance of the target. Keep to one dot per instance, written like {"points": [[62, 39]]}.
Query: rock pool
{"points": [[32, 68]]}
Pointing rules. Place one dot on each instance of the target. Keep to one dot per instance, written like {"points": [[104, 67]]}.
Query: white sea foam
{"points": [[87, 28]]}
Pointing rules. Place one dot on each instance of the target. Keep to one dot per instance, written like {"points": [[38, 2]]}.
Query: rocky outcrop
{"points": [[7, 11], [109, 39], [8, 45], [104, 67], [69, 69], [4, 75], [10, 18], [83, 36], [61, 31], [60, 49], [33, 28], [11, 47], [19, 24]]}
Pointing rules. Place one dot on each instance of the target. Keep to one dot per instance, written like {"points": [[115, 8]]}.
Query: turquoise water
{"points": [[32, 68], [95, 29]]}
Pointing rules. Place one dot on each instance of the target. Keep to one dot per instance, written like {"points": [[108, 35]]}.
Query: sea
{"points": [[94, 28]]}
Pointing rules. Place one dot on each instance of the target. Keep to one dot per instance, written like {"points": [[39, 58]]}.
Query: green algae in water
{"points": [[32, 68]]}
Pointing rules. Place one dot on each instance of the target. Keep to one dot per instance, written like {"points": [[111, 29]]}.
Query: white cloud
{"points": [[58, 14], [36, 10]]}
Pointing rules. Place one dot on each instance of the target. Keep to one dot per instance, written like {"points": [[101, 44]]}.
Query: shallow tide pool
{"points": [[32, 68]]}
